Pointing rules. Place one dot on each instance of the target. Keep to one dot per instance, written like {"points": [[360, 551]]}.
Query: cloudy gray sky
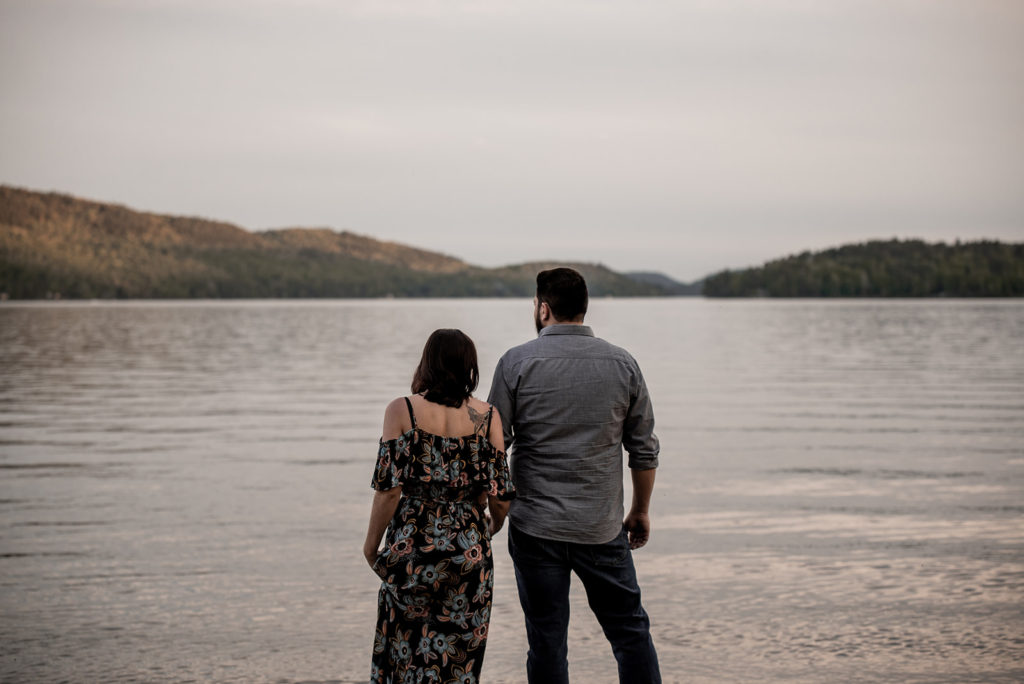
{"points": [[682, 136]]}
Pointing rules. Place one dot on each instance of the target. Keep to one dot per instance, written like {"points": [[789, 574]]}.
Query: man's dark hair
{"points": [[447, 373], [564, 291]]}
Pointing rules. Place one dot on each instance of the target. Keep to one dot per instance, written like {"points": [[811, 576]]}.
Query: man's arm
{"points": [[642, 445], [501, 398], [638, 522], [638, 436]]}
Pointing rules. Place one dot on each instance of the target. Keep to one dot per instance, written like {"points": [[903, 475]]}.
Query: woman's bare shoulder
{"points": [[478, 404], [396, 419], [480, 407], [396, 406]]}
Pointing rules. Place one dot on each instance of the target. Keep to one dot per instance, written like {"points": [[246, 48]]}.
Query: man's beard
{"points": [[536, 320]]}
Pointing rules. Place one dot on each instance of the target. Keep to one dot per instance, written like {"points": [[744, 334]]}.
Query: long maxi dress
{"points": [[437, 573]]}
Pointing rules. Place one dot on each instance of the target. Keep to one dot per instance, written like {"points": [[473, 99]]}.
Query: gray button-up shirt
{"points": [[570, 402]]}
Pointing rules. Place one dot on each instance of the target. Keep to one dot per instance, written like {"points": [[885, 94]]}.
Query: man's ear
{"points": [[544, 311]]}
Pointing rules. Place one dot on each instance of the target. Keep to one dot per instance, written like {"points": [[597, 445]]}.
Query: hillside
{"points": [[55, 245], [893, 268]]}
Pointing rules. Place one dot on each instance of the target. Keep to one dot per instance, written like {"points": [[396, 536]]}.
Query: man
{"points": [[570, 402]]}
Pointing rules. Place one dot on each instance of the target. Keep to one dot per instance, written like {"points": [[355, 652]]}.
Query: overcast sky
{"points": [[684, 136]]}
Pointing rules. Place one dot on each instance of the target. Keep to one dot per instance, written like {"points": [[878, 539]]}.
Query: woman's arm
{"points": [[396, 422], [497, 508], [383, 509]]}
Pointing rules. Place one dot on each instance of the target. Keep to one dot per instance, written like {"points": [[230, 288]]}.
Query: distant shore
{"points": [[54, 246]]}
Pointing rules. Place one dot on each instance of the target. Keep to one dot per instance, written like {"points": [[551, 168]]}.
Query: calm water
{"points": [[184, 488]]}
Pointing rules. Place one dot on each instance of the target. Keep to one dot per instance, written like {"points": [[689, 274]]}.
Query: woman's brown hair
{"points": [[448, 372]]}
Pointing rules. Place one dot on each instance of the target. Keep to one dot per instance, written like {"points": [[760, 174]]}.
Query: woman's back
{"points": [[454, 462], [469, 419]]}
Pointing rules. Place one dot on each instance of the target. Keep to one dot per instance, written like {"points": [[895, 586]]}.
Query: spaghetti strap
{"points": [[412, 416], [490, 412]]}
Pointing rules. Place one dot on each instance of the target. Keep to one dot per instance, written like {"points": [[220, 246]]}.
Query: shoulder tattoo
{"points": [[479, 420]]}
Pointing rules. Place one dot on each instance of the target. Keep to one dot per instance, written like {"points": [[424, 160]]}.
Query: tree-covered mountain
{"points": [[893, 268], [55, 245]]}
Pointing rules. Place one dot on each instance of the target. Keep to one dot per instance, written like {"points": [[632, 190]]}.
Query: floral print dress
{"points": [[434, 604]]}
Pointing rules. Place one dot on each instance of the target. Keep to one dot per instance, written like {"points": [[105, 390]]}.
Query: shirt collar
{"points": [[567, 329]]}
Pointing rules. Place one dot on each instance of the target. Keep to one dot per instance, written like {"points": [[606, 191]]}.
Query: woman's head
{"points": [[447, 373]]}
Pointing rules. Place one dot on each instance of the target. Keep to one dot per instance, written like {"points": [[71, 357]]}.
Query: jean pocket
{"points": [[613, 553], [525, 548]]}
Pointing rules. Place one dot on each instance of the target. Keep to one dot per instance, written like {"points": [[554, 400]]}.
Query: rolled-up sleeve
{"points": [[502, 399], [638, 438]]}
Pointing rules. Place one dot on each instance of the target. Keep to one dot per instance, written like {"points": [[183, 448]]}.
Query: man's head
{"points": [[561, 297]]}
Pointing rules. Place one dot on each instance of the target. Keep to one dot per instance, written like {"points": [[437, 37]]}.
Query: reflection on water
{"points": [[184, 488]]}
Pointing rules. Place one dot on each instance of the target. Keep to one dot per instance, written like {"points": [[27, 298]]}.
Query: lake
{"points": [[184, 487]]}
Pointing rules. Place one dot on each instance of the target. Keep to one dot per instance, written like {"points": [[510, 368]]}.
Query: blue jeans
{"points": [[543, 570]]}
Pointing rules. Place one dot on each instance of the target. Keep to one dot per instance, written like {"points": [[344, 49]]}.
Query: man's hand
{"points": [[639, 527], [638, 523]]}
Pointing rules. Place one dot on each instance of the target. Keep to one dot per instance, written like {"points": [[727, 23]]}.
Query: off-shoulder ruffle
{"points": [[392, 463], [417, 458]]}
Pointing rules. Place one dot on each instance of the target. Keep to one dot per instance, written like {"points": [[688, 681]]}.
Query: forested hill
{"points": [[894, 268], [54, 245]]}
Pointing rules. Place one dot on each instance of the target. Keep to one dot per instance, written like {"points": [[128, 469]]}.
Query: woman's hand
{"points": [[383, 509], [493, 525], [496, 512]]}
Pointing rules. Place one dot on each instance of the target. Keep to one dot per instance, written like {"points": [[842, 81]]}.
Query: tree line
{"points": [[893, 268]]}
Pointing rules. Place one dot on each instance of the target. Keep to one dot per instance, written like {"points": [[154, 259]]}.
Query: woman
{"points": [[443, 488]]}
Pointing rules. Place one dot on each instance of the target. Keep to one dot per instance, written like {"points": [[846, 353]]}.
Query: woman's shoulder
{"points": [[489, 421], [478, 405], [397, 420], [481, 407], [397, 407]]}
